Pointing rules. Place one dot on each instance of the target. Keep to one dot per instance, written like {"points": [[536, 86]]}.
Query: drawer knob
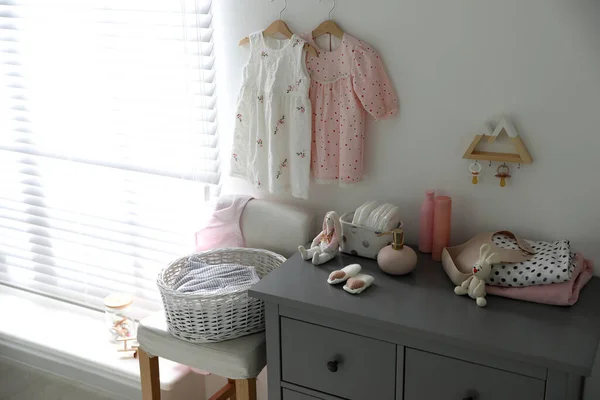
{"points": [[332, 366]]}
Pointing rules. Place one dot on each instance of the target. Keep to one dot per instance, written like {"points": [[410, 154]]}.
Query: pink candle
{"points": [[441, 225], [426, 225]]}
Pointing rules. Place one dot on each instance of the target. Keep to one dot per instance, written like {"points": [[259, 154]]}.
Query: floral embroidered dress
{"points": [[272, 137], [347, 83]]}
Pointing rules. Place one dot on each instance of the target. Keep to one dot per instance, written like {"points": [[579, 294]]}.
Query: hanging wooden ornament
{"points": [[475, 169], [504, 126], [502, 172]]}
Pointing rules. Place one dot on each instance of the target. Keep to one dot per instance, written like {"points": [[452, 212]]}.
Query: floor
{"points": [[19, 382]]}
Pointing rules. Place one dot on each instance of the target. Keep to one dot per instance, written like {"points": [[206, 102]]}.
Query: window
{"points": [[108, 142]]}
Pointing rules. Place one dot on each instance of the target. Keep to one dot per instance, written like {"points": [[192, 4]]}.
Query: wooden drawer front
{"points": [[365, 368], [429, 376]]}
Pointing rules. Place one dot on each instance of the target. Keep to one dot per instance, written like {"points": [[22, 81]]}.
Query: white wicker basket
{"points": [[202, 318]]}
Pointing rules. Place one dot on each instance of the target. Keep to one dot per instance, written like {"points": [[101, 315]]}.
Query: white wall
{"points": [[454, 64]]}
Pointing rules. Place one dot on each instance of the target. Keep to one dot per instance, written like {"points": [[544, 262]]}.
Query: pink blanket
{"points": [[558, 294], [223, 227]]}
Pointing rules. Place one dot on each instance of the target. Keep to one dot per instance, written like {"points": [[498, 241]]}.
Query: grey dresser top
{"points": [[423, 303]]}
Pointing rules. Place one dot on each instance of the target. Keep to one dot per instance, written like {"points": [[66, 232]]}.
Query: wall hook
{"points": [[504, 127]]}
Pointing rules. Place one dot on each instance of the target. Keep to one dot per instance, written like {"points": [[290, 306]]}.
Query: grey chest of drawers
{"points": [[412, 338]]}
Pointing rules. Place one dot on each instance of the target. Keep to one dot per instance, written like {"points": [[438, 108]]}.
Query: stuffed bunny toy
{"points": [[326, 245], [474, 286]]}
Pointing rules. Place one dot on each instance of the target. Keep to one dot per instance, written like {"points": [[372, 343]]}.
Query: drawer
{"points": [[291, 395], [429, 376], [336, 362]]}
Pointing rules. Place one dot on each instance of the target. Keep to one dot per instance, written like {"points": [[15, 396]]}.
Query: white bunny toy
{"points": [[326, 245], [474, 286]]}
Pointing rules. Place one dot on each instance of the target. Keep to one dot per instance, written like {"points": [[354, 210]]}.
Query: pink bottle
{"points": [[426, 226], [441, 225]]}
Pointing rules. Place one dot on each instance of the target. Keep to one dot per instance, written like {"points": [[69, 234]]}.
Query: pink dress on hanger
{"points": [[346, 83]]}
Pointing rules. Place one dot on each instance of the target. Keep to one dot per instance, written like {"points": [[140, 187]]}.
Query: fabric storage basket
{"points": [[361, 240], [202, 318]]}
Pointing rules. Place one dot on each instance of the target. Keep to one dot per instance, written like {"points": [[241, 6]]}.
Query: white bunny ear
{"points": [[337, 227], [483, 251], [492, 259]]}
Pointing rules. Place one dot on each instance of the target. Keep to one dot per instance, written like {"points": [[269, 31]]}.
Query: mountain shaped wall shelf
{"points": [[522, 155]]}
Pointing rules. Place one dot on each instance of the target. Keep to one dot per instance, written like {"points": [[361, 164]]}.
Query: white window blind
{"points": [[108, 140]]}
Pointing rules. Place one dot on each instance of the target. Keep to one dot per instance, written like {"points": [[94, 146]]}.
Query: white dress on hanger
{"points": [[272, 136]]}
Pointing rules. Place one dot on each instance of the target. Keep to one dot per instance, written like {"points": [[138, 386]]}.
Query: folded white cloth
{"points": [[197, 277], [377, 214], [362, 213], [390, 220], [380, 217], [553, 262]]}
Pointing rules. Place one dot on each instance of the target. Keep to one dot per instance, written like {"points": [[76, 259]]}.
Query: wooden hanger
{"points": [[280, 27], [328, 27]]}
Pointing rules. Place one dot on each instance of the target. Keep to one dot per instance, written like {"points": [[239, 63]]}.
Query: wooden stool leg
{"points": [[227, 392], [232, 382], [149, 376], [245, 389]]}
